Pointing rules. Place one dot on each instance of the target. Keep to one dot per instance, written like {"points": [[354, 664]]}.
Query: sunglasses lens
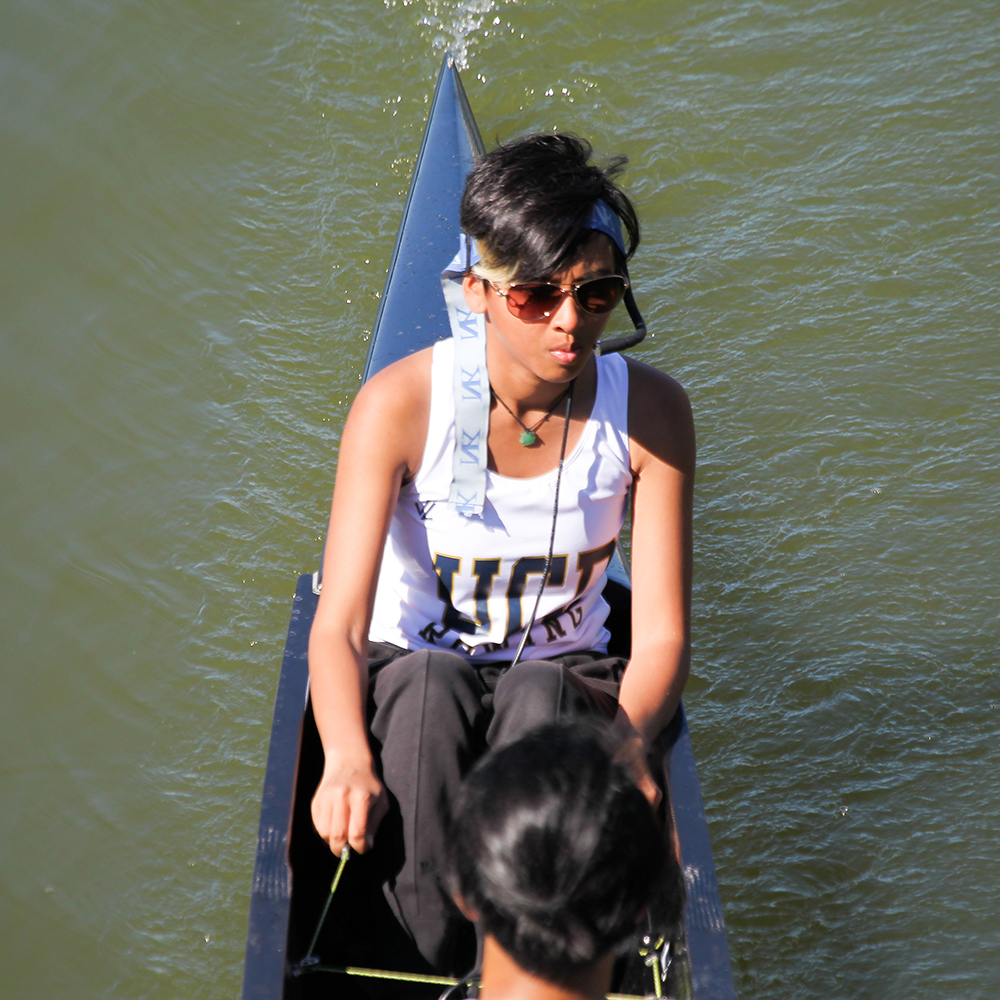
{"points": [[533, 301], [602, 294]]}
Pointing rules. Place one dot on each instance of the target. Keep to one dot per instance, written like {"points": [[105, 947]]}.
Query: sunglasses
{"points": [[540, 299]]}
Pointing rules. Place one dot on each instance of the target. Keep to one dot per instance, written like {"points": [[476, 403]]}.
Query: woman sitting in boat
{"points": [[464, 471], [556, 855]]}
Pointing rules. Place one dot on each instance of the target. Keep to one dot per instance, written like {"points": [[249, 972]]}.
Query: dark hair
{"points": [[557, 851], [527, 201]]}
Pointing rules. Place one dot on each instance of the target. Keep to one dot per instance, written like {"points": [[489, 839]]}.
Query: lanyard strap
{"points": [[471, 385]]}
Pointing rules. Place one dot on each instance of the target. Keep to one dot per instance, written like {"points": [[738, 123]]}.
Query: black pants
{"points": [[432, 715]]}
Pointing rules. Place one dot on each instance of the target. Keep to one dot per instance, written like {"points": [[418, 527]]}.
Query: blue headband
{"points": [[602, 217], [471, 379]]}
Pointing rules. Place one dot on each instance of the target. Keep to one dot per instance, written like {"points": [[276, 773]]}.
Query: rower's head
{"points": [[557, 854], [529, 205]]}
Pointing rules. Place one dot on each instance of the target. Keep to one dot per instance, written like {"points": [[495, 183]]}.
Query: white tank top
{"points": [[448, 581]]}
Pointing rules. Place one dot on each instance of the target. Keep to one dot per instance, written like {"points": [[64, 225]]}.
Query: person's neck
{"points": [[504, 979], [525, 393]]}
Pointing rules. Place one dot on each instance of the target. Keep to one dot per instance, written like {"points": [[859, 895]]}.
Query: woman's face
{"points": [[555, 348]]}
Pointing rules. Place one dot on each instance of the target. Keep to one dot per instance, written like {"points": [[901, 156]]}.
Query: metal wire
{"points": [[309, 959], [552, 534], [415, 977]]}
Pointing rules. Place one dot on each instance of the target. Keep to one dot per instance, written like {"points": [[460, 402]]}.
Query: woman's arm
{"points": [[662, 445], [382, 445]]}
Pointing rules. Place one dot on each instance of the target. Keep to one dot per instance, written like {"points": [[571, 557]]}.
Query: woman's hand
{"points": [[632, 753], [349, 804], [645, 781]]}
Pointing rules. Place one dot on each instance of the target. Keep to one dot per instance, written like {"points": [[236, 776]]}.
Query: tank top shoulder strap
{"points": [[611, 403], [433, 479]]}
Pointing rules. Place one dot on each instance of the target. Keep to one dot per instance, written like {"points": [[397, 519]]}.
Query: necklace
{"points": [[528, 436]]}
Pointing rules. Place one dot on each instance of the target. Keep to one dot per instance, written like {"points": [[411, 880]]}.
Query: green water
{"points": [[197, 206]]}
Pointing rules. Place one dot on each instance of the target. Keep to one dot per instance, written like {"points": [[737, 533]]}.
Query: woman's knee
{"points": [[528, 695], [425, 681], [422, 667]]}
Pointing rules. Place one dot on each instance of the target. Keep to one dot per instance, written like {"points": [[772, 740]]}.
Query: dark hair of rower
{"points": [[557, 852], [527, 202]]}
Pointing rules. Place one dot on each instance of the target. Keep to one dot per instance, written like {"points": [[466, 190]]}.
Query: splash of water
{"points": [[458, 25]]}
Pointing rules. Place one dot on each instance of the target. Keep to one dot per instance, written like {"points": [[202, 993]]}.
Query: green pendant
{"points": [[528, 438]]}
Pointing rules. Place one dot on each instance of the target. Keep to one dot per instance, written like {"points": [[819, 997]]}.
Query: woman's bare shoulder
{"points": [[659, 415], [650, 385], [392, 409], [401, 385]]}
